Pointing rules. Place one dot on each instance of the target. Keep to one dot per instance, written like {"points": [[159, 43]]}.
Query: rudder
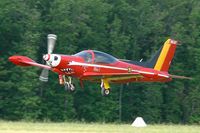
{"points": [[166, 55]]}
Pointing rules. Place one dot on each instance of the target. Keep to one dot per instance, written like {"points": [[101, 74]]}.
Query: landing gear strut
{"points": [[105, 87], [69, 86]]}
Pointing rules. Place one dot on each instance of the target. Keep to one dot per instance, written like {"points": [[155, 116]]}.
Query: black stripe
{"points": [[150, 63]]}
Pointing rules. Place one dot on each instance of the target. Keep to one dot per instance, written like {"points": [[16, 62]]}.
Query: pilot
{"points": [[88, 58]]}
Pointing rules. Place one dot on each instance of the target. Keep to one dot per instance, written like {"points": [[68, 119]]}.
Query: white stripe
{"points": [[73, 63], [162, 75], [43, 78], [143, 72]]}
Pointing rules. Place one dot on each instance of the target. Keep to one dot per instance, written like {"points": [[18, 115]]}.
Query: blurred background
{"points": [[130, 29]]}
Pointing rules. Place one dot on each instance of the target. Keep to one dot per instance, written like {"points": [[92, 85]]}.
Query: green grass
{"points": [[29, 127]]}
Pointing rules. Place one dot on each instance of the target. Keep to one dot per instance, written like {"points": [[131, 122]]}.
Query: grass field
{"points": [[29, 127]]}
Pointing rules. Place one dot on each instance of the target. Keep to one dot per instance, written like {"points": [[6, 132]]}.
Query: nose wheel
{"points": [[69, 86], [105, 87]]}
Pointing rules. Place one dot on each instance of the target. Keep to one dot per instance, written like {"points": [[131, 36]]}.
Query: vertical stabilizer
{"points": [[166, 55], [162, 58]]}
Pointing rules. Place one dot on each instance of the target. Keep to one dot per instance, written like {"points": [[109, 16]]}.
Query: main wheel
{"points": [[105, 92]]}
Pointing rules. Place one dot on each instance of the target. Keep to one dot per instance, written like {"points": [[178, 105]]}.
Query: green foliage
{"points": [[124, 28]]}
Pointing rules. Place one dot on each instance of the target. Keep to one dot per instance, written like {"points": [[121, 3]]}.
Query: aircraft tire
{"points": [[72, 88], [105, 92], [67, 86]]}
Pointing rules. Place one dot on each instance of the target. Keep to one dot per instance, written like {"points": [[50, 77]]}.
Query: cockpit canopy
{"points": [[93, 56]]}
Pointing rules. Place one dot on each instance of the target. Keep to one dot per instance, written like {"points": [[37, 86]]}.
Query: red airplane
{"points": [[100, 67]]}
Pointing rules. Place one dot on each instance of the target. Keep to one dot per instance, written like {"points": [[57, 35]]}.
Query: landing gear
{"points": [[69, 86], [105, 92], [105, 87]]}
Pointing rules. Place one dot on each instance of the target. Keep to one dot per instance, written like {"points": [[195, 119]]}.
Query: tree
{"points": [[18, 35]]}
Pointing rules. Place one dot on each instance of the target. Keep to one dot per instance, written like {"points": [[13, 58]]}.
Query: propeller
{"points": [[50, 47]]}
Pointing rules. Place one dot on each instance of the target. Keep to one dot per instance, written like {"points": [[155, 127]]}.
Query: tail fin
{"points": [[162, 59]]}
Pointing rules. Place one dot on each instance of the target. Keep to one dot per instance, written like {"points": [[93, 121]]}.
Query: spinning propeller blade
{"points": [[44, 75], [51, 43]]}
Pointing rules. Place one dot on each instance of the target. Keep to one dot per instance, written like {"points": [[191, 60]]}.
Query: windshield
{"points": [[101, 57], [86, 55]]}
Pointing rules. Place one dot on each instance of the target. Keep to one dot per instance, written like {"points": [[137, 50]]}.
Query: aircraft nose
{"points": [[46, 57], [12, 59]]}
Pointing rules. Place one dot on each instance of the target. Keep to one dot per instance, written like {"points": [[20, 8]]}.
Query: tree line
{"points": [[130, 29]]}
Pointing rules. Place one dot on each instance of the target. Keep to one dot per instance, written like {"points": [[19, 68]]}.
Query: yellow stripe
{"points": [[163, 55]]}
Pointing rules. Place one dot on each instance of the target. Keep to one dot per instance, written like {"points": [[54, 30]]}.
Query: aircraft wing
{"points": [[25, 61], [97, 76], [111, 76]]}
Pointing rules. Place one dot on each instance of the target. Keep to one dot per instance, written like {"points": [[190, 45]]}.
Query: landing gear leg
{"points": [[69, 86], [105, 87]]}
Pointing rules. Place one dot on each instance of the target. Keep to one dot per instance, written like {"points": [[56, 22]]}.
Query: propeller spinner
{"points": [[51, 43]]}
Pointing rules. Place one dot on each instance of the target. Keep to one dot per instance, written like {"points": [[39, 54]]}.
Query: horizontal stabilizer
{"points": [[180, 77]]}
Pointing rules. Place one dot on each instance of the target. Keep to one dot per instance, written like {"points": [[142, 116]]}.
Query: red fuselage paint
{"points": [[76, 66]]}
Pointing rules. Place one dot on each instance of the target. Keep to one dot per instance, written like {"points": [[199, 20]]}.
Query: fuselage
{"points": [[96, 62]]}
